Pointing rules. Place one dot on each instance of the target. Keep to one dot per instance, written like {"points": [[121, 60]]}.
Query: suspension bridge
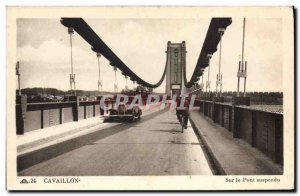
{"points": [[223, 137], [215, 31]]}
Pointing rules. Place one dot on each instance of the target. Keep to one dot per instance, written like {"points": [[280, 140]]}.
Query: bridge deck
{"points": [[153, 146]]}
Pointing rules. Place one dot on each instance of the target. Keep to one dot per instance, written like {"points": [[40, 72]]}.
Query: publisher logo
{"points": [[24, 181]]}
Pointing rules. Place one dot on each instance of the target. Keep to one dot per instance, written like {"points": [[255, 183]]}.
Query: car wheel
{"points": [[131, 119]]}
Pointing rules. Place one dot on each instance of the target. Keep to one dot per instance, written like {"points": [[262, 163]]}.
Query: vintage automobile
{"points": [[124, 112]]}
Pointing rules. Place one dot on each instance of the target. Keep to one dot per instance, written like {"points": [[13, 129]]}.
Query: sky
{"points": [[43, 50]]}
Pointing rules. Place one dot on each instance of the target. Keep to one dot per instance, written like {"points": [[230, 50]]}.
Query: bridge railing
{"points": [[222, 114], [261, 129], [33, 116]]}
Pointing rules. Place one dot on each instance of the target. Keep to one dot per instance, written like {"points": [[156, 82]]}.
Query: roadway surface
{"points": [[153, 146]]}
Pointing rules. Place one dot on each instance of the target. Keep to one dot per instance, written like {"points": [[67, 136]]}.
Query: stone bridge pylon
{"points": [[176, 60]]}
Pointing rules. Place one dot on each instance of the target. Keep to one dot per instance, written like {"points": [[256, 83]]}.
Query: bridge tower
{"points": [[176, 59]]}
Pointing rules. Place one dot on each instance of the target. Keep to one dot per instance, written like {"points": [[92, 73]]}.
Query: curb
{"points": [[27, 146], [216, 163]]}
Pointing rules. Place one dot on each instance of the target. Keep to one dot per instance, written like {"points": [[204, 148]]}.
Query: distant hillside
{"points": [[54, 91], [37, 91]]}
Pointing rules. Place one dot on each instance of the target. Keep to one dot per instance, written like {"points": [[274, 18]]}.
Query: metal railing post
{"points": [[94, 110], [230, 118], [21, 109], [236, 123], [42, 117], [75, 107], [60, 115], [84, 111]]}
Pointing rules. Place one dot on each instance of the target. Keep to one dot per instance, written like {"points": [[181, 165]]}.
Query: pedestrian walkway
{"points": [[230, 155]]}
